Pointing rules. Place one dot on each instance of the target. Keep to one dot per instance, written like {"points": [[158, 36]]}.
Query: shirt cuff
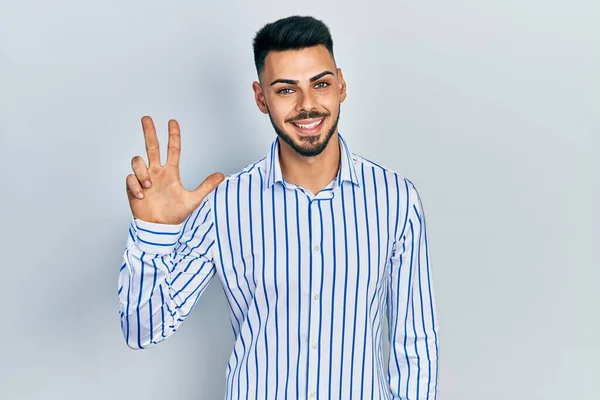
{"points": [[156, 238]]}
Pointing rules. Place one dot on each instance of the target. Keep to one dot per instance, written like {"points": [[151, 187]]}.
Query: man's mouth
{"points": [[308, 126]]}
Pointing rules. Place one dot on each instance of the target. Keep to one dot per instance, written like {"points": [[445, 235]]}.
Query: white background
{"points": [[491, 108]]}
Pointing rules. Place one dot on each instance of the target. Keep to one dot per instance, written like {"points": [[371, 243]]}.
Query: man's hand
{"points": [[155, 192]]}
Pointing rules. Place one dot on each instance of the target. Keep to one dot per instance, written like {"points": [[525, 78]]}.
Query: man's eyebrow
{"points": [[293, 82], [322, 74], [287, 81]]}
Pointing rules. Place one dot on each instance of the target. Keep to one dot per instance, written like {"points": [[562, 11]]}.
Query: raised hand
{"points": [[155, 192]]}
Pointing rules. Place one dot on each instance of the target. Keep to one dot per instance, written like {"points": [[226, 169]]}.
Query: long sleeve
{"points": [[165, 269], [412, 319]]}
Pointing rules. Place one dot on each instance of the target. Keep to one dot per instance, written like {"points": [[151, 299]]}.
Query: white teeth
{"points": [[309, 126]]}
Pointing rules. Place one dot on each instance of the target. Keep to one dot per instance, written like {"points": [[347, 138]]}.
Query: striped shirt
{"points": [[309, 280]]}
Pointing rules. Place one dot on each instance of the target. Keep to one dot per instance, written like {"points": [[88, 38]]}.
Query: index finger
{"points": [[152, 146], [174, 146]]}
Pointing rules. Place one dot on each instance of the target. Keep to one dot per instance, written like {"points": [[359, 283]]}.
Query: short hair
{"points": [[291, 33]]}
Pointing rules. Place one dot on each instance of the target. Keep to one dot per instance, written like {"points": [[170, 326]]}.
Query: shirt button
{"points": [[312, 394], [314, 345], [316, 297], [317, 248]]}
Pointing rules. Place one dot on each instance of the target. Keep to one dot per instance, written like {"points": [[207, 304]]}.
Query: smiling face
{"points": [[301, 91]]}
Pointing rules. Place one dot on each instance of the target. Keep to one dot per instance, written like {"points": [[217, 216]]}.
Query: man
{"points": [[313, 246]]}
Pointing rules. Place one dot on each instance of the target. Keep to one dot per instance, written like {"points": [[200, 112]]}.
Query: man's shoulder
{"points": [[247, 177], [392, 176], [385, 179], [251, 171]]}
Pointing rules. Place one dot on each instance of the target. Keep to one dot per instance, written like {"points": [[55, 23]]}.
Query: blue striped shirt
{"points": [[309, 280]]}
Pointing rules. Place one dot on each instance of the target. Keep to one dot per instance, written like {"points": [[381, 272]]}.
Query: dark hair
{"points": [[291, 33]]}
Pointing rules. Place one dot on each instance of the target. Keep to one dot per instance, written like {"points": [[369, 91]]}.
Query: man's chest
{"points": [[294, 246]]}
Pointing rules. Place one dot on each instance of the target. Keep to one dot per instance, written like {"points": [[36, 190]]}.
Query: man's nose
{"points": [[306, 102]]}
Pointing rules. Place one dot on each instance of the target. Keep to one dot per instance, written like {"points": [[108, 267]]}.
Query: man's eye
{"points": [[321, 85], [285, 91]]}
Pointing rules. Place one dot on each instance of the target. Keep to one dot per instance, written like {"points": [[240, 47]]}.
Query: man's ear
{"points": [[342, 85], [259, 97]]}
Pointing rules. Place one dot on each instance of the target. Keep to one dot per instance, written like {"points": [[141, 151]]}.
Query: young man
{"points": [[313, 245]]}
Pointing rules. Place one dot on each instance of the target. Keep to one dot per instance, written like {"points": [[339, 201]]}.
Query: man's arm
{"points": [[165, 270], [412, 319]]}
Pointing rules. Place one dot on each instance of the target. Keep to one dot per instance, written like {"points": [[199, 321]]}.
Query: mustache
{"points": [[310, 115]]}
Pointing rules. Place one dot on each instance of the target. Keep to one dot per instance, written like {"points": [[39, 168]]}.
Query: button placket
{"points": [[316, 269]]}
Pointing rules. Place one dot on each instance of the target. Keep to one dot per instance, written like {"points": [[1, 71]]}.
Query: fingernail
{"points": [[140, 195], [147, 184]]}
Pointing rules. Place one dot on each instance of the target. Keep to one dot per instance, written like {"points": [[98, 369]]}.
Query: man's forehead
{"points": [[300, 64]]}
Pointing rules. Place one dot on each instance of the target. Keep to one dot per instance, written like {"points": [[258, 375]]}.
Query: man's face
{"points": [[301, 91]]}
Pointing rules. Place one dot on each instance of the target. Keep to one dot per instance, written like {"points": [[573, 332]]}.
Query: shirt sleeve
{"points": [[412, 319], [165, 269]]}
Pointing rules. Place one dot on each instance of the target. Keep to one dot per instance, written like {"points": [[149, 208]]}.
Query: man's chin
{"points": [[303, 139], [306, 145]]}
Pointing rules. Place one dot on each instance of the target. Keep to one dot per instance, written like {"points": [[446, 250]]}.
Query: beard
{"points": [[310, 146]]}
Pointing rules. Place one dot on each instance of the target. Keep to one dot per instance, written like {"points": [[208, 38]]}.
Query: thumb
{"points": [[207, 186]]}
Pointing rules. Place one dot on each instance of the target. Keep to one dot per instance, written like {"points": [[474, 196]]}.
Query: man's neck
{"points": [[312, 173]]}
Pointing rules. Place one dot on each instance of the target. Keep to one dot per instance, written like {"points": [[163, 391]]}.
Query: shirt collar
{"points": [[346, 172]]}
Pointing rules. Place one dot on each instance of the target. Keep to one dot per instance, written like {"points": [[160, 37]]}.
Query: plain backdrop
{"points": [[491, 108]]}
